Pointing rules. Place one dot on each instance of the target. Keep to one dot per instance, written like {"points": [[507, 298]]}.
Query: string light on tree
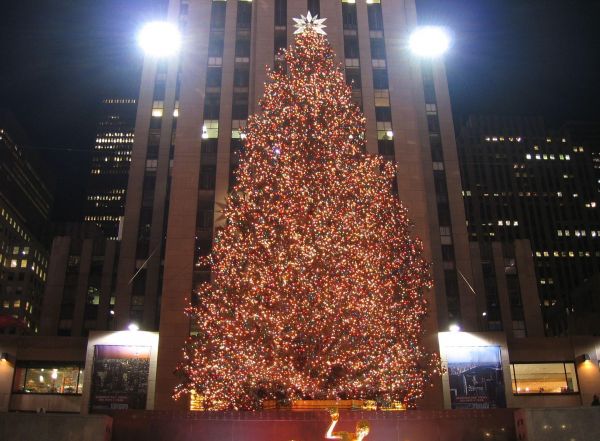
{"points": [[317, 287]]}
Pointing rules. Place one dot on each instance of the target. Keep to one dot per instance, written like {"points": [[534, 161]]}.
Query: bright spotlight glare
{"points": [[160, 39], [454, 328], [133, 327], [429, 41]]}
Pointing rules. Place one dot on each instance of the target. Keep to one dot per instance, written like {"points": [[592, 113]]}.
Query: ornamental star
{"points": [[304, 23]]}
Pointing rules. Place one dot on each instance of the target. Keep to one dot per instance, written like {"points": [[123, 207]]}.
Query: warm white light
{"points": [[54, 374], [454, 328], [160, 39], [429, 41], [133, 327], [389, 134], [484, 313]]}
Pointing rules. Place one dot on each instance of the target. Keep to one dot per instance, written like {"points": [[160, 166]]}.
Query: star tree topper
{"points": [[304, 23]]}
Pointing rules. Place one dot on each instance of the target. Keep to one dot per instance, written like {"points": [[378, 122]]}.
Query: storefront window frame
{"points": [[514, 379], [26, 365]]}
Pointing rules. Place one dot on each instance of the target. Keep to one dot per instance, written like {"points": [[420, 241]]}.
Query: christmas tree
{"points": [[317, 287]]}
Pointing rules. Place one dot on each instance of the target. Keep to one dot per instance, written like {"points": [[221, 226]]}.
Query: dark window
{"points": [[280, 12], [244, 14], [375, 17], [207, 177], [217, 19], [377, 49], [349, 15], [213, 77], [380, 79], [433, 123], [350, 46], [280, 40], [240, 106], [211, 106], [241, 78], [353, 78], [383, 114], [386, 147], [314, 7], [242, 47], [215, 43]]}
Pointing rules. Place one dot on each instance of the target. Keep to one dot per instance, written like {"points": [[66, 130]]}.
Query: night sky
{"points": [[59, 58]]}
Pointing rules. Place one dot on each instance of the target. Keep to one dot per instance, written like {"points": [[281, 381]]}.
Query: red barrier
{"points": [[278, 425]]}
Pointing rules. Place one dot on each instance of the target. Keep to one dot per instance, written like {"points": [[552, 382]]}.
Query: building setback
{"points": [[521, 181], [25, 203], [107, 184]]}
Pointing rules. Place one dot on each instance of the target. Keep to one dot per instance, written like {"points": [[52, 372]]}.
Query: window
{"points": [[349, 15], [217, 20], [382, 98], [207, 177], [157, 109], [543, 378], [351, 46], [280, 12], [42, 378], [380, 79], [210, 129], [375, 16], [151, 164], [213, 77], [244, 14], [377, 49], [384, 130], [446, 235]]}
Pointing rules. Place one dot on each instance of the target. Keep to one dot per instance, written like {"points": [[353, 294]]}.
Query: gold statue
{"points": [[362, 429]]}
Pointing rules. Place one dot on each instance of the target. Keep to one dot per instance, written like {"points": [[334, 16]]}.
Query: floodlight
{"points": [[429, 41], [160, 39]]}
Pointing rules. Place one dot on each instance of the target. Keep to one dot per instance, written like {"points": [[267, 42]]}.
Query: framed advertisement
{"points": [[119, 377], [476, 377]]}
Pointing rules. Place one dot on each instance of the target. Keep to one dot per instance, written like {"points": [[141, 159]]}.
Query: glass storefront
{"points": [[41, 378], [543, 378]]}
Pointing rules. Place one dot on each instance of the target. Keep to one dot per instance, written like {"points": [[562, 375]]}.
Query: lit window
{"points": [[236, 125], [39, 378], [210, 129], [543, 378], [382, 98], [384, 130], [17, 303], [528, 156], [13, 263], [23, 264], [151, 164], [157, 109]]}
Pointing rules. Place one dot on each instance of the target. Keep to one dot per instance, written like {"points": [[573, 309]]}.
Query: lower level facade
{"points": [[110, 371]]}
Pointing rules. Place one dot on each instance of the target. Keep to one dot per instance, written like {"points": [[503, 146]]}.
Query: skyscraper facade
{"points": [[522, 181], [187, 144], [25, 203], [107, 184]]}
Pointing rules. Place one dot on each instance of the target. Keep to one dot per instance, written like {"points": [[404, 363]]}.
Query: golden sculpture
{"points": [[362, 429]]}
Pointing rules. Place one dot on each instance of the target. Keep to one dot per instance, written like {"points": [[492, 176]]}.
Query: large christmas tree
{"points": [[318, 287]]}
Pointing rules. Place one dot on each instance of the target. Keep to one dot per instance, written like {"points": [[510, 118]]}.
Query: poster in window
{"points": [[476, 378], [120, 378]]}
